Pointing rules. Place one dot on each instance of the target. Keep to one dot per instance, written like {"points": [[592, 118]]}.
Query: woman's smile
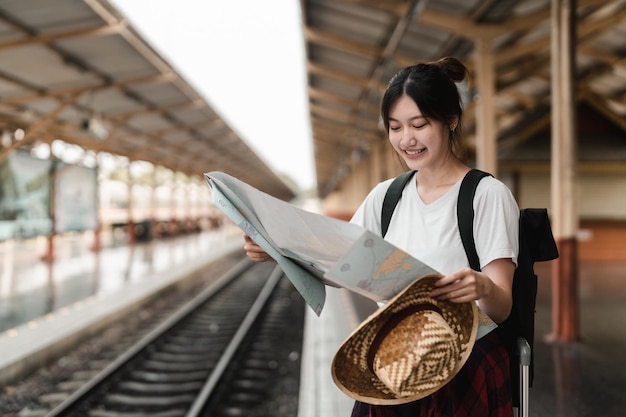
{"points": [[414, 152]]}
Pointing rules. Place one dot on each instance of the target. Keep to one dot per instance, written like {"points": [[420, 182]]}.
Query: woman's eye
{"points": [[419, 126], [394, 128]]}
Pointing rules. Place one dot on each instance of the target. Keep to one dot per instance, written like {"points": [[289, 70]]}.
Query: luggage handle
{"points": [[524, 355]]}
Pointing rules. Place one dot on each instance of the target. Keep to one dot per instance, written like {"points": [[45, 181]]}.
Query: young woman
{"points": [[422, 114]]}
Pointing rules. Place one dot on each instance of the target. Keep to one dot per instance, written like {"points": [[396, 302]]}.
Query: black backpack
{"points": [[536, 244]]}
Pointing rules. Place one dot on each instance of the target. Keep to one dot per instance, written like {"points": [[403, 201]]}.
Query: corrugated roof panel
{"points": [[42, 106], [541, 31], [42, 68], [613, 40], [9, 89], [163, 94], [456, 7], [422, 42], [150, 122], [608, 83], [141, 141], [7, 31], [214, 132], [340, 90], [526, 7], [111, 55], [46, 16], [193, 116], [341, 62], [109, 102], [533, 87], [334, 106], [330, 13], [179, 136]]}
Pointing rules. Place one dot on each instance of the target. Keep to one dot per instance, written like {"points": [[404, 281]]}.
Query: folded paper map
{"points": [[315, 250]]}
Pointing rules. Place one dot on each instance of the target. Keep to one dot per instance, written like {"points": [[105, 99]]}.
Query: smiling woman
{"points": [[421, 111], [257, 46]]}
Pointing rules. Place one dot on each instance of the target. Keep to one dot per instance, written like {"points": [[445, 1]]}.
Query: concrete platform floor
{"points": [[31, 288], [588, 377], [45, 308]]}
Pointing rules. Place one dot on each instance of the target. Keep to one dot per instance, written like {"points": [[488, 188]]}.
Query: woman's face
{"points": [[419, 141]]}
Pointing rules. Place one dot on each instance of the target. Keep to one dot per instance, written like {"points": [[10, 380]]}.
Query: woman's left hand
{"points": [[492, 287], [462, 286]]}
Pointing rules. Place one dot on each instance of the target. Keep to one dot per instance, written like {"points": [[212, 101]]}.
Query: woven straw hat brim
{"points": [[350, 369]]}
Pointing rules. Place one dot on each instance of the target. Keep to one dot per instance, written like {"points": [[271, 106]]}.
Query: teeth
{"points": [[415, 152]]}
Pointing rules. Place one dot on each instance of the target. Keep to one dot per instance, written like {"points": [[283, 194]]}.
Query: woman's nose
{"points": [[408, 139]]}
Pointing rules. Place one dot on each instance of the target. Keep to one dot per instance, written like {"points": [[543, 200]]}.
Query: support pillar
{"points": [[154, 205], [565, 301], [130, 225], [97, 234], [486, 139], [49, 255]]}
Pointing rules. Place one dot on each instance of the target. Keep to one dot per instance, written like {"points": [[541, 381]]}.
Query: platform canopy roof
{"points": [[353, 47], [76, 70]]}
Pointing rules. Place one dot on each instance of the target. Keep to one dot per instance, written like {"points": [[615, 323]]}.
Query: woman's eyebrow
{"points": [[412, 118]]}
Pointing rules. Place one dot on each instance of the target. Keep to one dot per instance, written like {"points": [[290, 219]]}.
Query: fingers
{"points": [[453, 277], [458, 296], [254, 251], [250, 246], [457, 287]]}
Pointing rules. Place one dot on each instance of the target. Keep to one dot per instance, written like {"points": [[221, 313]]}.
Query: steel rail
{"points": [[211, 382], [85, 390]]}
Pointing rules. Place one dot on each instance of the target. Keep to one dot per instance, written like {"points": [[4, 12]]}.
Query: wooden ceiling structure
{"points": [[64, 63], [77, 70], [353, 47]]}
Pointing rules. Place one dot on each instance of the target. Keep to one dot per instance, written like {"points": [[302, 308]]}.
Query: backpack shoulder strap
{"points": [[394, 192], [465, 214]]}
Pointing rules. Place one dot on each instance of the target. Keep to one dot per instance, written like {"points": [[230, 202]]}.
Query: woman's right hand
{"points": [[254, 251]]}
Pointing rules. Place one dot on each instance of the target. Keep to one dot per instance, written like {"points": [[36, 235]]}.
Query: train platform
{"points": [[44, 303], [47, 306]]}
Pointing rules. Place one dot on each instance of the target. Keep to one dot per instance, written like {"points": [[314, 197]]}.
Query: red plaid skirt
{"points": [[481, 388]]}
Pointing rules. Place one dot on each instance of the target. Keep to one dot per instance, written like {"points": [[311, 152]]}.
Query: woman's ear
{"points": [[453, 123]]}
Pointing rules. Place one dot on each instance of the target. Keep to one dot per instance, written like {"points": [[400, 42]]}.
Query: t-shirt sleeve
{"points": [[496, 222]]}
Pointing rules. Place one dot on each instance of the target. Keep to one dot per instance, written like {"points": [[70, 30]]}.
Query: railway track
{"points": [[217, 355]]}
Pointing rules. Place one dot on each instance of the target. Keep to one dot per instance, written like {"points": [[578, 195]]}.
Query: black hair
{"points": [[432, 86]]}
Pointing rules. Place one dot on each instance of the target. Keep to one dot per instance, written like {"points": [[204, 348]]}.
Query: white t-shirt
{"points": [[429, 232]]}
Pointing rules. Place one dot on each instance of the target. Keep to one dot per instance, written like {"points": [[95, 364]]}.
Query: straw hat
{"points": [[407, 349]]}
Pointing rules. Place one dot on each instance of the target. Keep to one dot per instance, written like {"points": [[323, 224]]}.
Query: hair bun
{"points": [[452, 67]]}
